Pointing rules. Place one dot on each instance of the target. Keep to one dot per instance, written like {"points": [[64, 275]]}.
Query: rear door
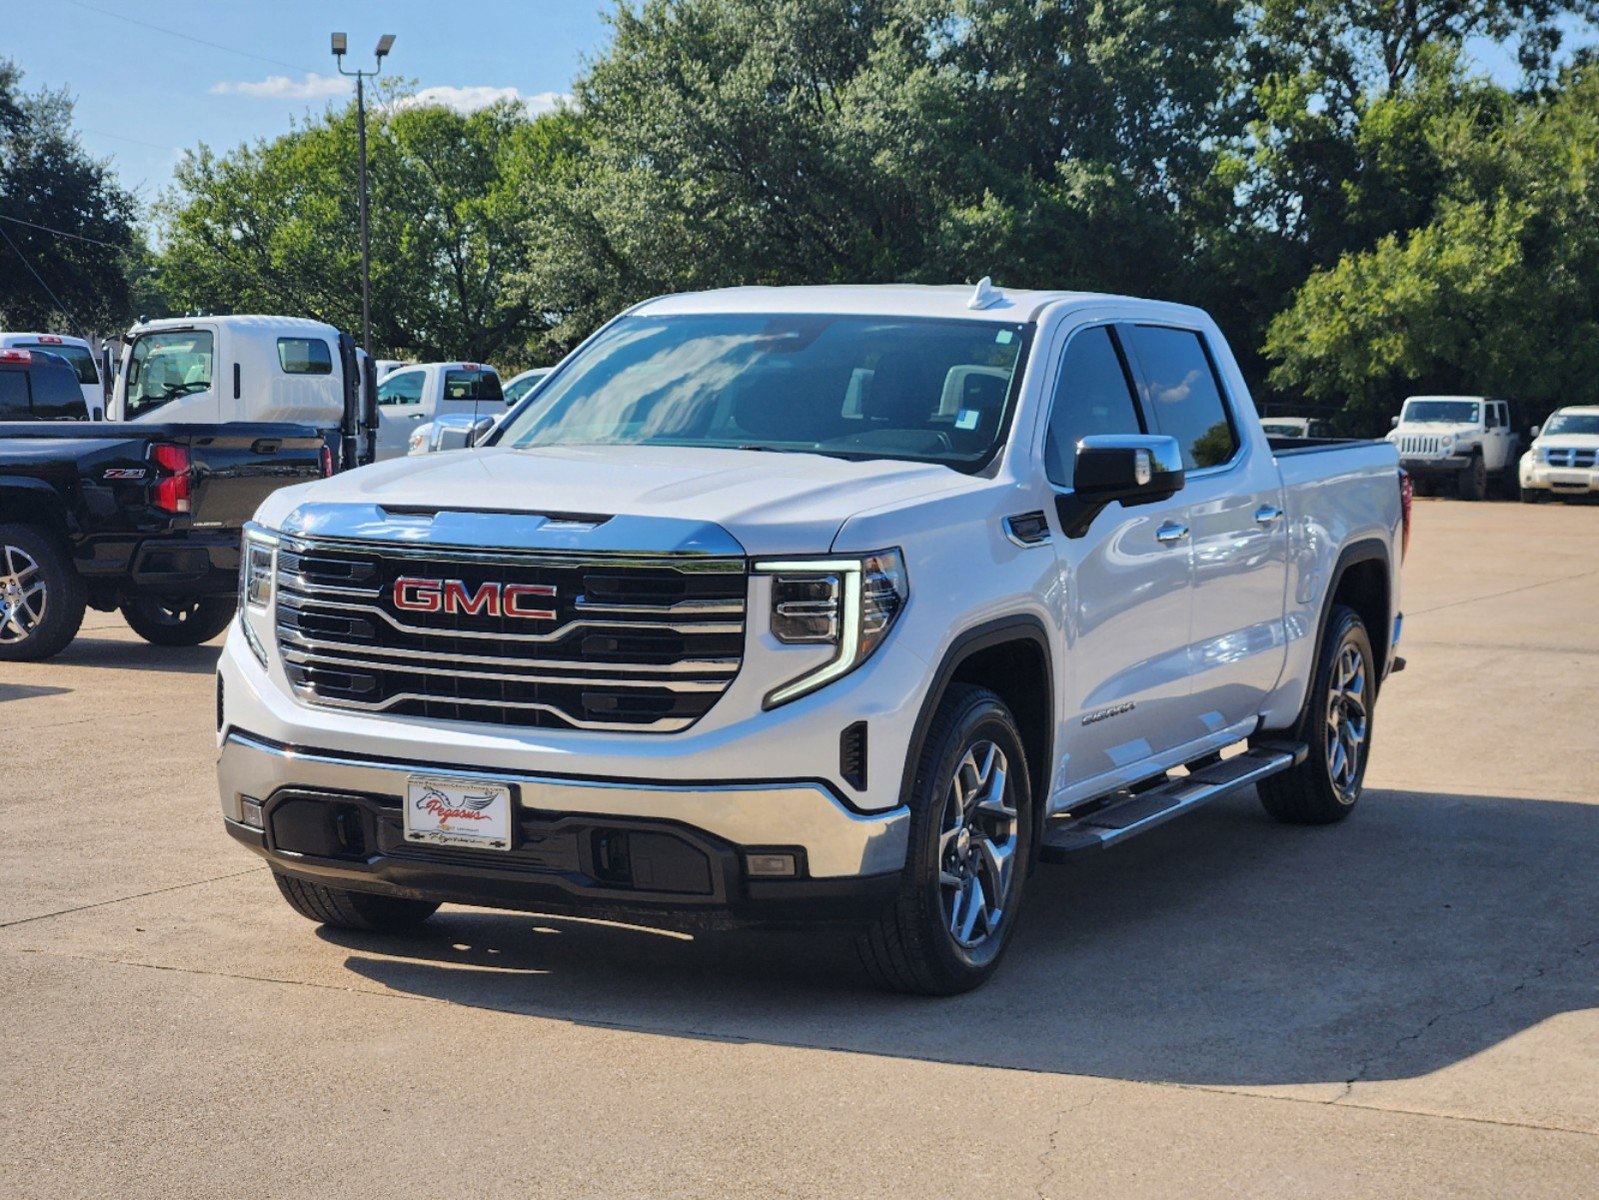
{"points": [[1237, 530], [1125, 585]]}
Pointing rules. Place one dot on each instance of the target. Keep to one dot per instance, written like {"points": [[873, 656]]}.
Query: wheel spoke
{"points": [[975, 903]]}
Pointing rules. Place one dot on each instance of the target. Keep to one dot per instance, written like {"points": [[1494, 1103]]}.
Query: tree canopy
{"points": [[1364, 211]]}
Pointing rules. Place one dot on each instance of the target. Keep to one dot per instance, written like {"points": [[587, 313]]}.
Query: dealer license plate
{"points": [[441, 811]]}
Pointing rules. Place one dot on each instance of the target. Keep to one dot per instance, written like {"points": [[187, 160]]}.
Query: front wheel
{"points": [[179, 622], [1474, 479], [339, 908], [1337, 725], [1531, 495], [971, 839]]}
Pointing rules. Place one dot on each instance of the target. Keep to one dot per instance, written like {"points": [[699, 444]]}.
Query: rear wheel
{"points": [[189, 622], [41, 595], [1474, 479], [343, 909], [971, 840], [1337, 725]]}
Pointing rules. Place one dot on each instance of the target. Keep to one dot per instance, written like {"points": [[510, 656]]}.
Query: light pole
{"points": [[340, 46]]}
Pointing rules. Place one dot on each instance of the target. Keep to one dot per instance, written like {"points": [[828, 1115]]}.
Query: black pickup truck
{"points": [[145, 518]]}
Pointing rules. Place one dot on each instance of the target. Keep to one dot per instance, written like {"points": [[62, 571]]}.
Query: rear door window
{"points": [[1181, 393], [1092, 396]]}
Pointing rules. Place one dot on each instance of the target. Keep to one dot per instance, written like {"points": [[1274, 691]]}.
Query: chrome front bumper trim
{"points": [[837, 842]]}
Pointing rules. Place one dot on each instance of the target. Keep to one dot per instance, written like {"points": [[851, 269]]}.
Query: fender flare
{"points": [[42, 495], [971, 641], [1361, 550]]}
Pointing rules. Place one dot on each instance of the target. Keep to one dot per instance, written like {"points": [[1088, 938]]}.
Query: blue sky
{"points": [[143, 96]]}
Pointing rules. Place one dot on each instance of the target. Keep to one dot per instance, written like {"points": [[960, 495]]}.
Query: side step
{"points": [[1127, 814]]}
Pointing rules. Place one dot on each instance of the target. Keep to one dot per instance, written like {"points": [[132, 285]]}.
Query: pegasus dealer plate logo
{"points": [[524, 601]]}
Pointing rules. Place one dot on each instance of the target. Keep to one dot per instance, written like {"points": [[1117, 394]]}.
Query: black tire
{"points": [[913, 947], [1532, 495], [42, 596], [179, 622], [1422, 487], [343, 909], [1473, 481], [1309, 794]]}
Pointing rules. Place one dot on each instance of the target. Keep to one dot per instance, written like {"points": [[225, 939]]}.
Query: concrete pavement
{"points": [[1407, 1004]]}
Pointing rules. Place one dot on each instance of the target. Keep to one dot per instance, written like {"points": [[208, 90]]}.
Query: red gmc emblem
{"points": [[491, 599]]}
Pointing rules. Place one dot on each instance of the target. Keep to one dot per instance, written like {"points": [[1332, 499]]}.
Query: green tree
{"points": [[66, 226], [1497, 292], [273, 227]]}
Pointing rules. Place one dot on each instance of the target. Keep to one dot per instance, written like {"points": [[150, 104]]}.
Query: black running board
{"points": [[1127, 814]]}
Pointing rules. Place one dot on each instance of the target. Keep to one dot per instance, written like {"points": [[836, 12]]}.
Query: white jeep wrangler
{"points": [[1459, 442]]}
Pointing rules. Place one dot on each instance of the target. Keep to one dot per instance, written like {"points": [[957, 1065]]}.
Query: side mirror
{"points": [[96, 414], [1129, 469], [1536, 430], [481, 428], [1393, 422]]}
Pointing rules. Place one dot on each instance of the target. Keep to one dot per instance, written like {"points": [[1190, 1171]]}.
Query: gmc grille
{"points": [[637, 644]]}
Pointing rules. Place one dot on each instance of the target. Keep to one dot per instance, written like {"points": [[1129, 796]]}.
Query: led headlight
{"points": [[256, 559], [848, 603]]}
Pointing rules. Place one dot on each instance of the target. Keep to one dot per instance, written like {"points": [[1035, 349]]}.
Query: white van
{"points": [[78, 353], [218, 370]]}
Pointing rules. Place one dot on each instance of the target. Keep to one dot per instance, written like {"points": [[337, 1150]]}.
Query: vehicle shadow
{"points": [[28, 691], [1222, 949], [140, 656]]}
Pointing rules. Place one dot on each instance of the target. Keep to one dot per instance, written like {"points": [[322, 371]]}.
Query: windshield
{"points": [[164, 366], [517, 388], [1452, 412], [853, 387], [1572, 423], [79, 357]]}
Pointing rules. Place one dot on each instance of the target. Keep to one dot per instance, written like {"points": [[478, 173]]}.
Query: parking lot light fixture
{"points": [[340, 48]]}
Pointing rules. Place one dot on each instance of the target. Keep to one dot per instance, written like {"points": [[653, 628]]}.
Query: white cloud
{"points": [[280, 87], [470, 99]]}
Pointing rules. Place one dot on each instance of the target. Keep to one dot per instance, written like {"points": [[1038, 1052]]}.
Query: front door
{"points": [[1125, 588], [400, 411]]}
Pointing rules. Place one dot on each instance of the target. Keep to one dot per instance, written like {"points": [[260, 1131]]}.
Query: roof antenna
{"points": [[986, 294]]}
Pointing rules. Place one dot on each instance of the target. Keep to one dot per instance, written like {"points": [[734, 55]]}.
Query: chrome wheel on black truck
{"points": [[970, 844], [41, 596]]}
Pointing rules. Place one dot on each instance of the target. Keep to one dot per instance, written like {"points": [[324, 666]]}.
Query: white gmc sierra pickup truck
{"points": [[840, 604]]}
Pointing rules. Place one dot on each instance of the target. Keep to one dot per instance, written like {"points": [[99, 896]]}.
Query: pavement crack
{"points": [[176, 887], [1526, 587], [1046, 1156], [1578, 951]]}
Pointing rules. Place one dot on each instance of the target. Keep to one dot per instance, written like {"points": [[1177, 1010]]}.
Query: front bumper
{"points": [[1448, 466], [336, 819], [1564, 481]]}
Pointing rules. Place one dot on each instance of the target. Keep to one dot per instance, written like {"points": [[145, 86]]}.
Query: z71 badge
{"points": [[122, 473]]}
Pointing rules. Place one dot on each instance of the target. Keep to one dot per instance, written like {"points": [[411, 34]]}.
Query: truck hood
{"points": [[1568, 441], [1433, 429], [771, 503]]}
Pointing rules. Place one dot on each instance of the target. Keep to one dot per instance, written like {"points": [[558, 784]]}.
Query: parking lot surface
{"points": [[1407, 1004]]}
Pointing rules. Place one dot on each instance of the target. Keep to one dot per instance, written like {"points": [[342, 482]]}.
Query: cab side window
{"points": [[1182, 395], [405, 387], [1492, 415], [1093, 395]]}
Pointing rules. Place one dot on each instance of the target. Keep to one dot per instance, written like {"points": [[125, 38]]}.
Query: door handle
{"points": [[1268, 514], [1171, 532]]}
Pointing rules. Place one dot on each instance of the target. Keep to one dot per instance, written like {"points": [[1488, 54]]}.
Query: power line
{"points": [[61, 232], [57, 299], [106, 12], [122, 137]]}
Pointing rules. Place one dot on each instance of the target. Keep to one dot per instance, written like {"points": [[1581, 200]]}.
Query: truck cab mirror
{"points": [[97, 414], [1119, 468], [1536, 430], [1393, 422]]}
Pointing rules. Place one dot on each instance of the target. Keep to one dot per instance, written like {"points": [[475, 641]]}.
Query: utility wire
{"points": [[57, 299], [61, 232], [106, 12]]}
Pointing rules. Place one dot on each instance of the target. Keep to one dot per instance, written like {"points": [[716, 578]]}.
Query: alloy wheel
{"points": [[1348, 722], [22, 595], [977, 846]]}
